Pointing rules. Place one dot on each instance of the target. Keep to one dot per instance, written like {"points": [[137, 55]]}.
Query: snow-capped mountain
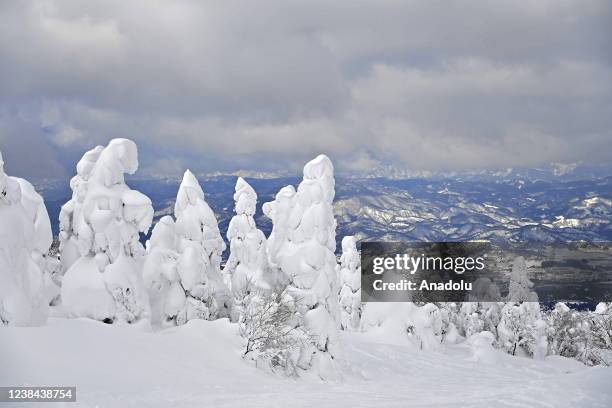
{"points": [[498, 208], [548, 172], [433, 210]]}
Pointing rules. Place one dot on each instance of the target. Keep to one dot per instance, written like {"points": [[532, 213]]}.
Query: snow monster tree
{"points": [[182, 272], [99, 237], [520, 318], [349, 272], [302, 245], [25, 237], [247, 264]]}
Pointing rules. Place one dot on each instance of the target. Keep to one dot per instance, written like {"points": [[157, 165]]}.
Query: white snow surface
{"points": [[121, 366]]}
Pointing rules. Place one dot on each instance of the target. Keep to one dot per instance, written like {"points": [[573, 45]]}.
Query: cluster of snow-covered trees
{"points": [[105, 272], [288, 292], [519, 326]]}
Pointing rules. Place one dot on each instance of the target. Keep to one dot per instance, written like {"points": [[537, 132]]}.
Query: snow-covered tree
{"points": [[450, 322], [566, 331], [470, 318], [520, 285], [602, 331], [539, 343], [302, 245], [196, 223], [99, 236], [26, 287], [516, 325], [421, 326], [167, 297], [43, 238], [602, 326], [472, 321], [200, 244], [575, 334], [518, 330], [485, 290], [248, 261], [271, 338], [349, 271], [182, 270], [520, 326], [603, 308]]}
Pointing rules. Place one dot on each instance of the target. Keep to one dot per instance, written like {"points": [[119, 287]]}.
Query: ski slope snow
{"points": [[199, 365]]}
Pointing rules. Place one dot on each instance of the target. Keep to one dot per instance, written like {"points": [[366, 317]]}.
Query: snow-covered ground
{"points": [[199, 365]]}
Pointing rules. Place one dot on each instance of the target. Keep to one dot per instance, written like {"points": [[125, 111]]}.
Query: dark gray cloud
{"points": [[265, 85]]}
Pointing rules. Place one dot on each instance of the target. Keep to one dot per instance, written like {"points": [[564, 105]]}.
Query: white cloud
{"points": [[265, 84]]}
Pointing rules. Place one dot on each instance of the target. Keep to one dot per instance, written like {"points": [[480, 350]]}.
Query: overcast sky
{"points": [[266, 85]]}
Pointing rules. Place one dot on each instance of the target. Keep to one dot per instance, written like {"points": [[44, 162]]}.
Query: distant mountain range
{"points": [[503, 207], [549, 172]]}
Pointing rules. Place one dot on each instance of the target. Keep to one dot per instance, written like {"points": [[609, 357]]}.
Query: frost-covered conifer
{"points": [[182, 270], [519, 322], [520, 285], [517, 331], [469, 318], [302, 246], [350, 285], [539, 344], [99, 236], [195, 221], [166, 295], [200, 245], [602, 330], [25, 237], [248, 261], [450, 322], [574, 334]]}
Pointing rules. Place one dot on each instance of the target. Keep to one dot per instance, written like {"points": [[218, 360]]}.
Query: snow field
{"points": [[199, 364]]}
